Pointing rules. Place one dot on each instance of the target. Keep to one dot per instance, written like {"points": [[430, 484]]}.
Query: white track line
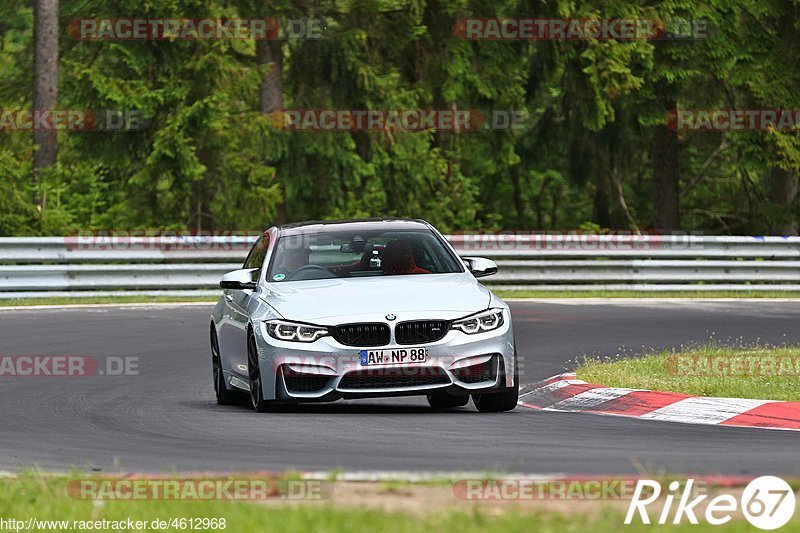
{"points": [[701, 410], [590, 398]]}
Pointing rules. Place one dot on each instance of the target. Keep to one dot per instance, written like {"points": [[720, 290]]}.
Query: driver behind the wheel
{"points": [[291, 259], [398, 258]]}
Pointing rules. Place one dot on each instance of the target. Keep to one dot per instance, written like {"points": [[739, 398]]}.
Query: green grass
{"points": [[45, 498], [644, 294], [739, 371]]}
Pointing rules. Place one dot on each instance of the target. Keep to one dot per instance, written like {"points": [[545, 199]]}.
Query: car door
{"points": [[233, 333]]}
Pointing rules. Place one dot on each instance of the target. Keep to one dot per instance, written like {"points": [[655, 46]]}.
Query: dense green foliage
{"points": [[210, 158]]}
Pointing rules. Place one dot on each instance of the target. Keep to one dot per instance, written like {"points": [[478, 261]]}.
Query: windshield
{"points": [[359, 254]]}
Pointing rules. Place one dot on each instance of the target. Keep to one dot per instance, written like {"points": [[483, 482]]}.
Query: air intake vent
{"points": [[478, 373], [391, 378], [303, 383]]}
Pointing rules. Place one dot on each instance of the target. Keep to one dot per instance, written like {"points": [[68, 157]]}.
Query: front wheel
{"points": [[254, 373], [504, 400], [497, 402]]}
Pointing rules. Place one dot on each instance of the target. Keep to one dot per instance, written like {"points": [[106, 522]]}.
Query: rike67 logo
{"points": [[767, 502]]}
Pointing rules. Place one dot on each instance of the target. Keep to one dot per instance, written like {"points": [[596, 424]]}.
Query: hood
{"points": [[332, 301]]}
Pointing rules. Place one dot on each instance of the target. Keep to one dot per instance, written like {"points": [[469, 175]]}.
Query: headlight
{"points": [[290, 331], [485, 321]]}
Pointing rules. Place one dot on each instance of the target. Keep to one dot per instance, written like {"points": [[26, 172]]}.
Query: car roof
{"points": [[323, 226]]}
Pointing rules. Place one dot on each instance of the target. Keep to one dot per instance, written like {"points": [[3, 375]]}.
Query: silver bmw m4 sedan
{"points": [[361, 309]]}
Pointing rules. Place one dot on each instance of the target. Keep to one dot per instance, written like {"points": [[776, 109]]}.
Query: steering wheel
{"points": [[298, 274]]}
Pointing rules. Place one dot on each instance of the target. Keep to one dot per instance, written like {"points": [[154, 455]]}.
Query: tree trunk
{"points": [[782, 192], [554, 212], [271, 89], [517, 194], [270, 93], [203, 221], [45, 84], [621, 203], [666, 176]]}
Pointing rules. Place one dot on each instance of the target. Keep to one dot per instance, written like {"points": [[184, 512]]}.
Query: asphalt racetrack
{"points": [[166, 419]]}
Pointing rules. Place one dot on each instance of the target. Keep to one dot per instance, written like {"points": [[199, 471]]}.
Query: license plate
{"points": [[393, 357]]}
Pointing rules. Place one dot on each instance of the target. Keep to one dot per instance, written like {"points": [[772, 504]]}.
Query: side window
{"points": [[255, 259]]}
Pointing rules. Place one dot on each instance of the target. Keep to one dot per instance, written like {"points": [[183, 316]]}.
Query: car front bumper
{"points": [[326, 370]]}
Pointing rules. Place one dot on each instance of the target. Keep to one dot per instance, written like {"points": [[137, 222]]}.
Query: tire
{"points": [[497, 402], [442, 400], [223, 394], [254, 374], [504, 400]]}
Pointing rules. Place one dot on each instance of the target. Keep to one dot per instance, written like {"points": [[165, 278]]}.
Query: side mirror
{"points": [[481, 267], [239, 279]]}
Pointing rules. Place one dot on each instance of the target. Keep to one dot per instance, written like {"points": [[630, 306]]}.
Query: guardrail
{"points": [[79, 266]]}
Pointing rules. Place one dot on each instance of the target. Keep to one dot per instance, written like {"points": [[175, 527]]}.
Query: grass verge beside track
{"points": [[45, 497], [741, 371]]}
